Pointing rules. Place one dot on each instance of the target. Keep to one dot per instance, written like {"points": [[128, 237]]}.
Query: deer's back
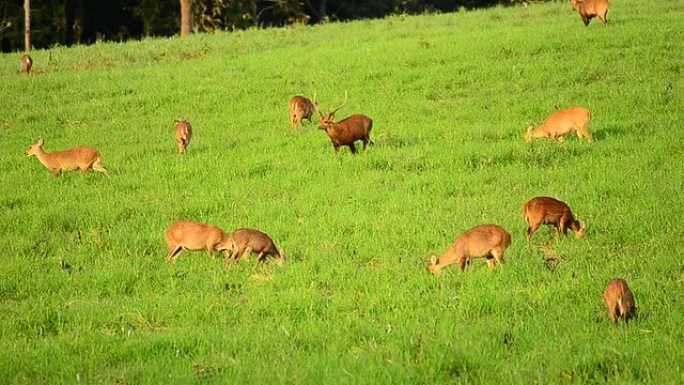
{"points": [[479, 240], [253, 238]]}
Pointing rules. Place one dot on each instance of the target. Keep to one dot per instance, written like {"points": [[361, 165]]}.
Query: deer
{"points": [[196, 236], [347, 131], [551, 211], [78, 158], [619, 300], [561, 123], [26, 63], [183, 135], [301, 108], [248, 241], [588, 9], [488, 241]]}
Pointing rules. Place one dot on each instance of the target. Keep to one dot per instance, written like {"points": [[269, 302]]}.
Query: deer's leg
{"points": [[173, 253]]}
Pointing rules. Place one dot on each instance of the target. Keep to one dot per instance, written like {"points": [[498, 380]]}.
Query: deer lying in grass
{"points": [[249, 241], [347, 131], [79, 158], [588, 9], [183, 135], [618, 299], [550, 211], [489, 241], [301, 108], [194, 236], [561, 123], [26, 64]]}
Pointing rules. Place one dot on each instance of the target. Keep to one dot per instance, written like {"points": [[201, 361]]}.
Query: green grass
{"points": [[450, 96]]}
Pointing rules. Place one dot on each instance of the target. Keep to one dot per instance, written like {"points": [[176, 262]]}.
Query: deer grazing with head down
{"points": [[26, 64], [488, 241], [549, 211], [301, 108], [79, 158], [618, 299], [347, 131], [588, 9], [568, 121], [247, 241], [183, 135], [194, 236]]}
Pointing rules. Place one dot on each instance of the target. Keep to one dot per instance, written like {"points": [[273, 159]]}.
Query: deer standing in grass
{"points": [[618, 299], [301, 108], [347, 131], [488, 241], [249, 241], [549, 211], [561, 123], [194, 236], [183, 135], [26, 64], [79, 158], [588, 9]]}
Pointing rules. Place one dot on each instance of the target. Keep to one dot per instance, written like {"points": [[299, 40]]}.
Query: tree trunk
{"points": [[322, 10], [27, 26], [186, 17]]}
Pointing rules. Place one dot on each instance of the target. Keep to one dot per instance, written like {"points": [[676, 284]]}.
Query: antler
{"points": [[342, 105]]}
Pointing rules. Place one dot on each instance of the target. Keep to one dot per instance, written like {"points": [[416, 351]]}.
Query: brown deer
{"points": [[489, 241], [550, 211], [79, 158], [619, 300], [301, 108], [194, 236], [249, 241], [573, 119], [183, 135], [347, 131], [588, 9], [26, 63]]}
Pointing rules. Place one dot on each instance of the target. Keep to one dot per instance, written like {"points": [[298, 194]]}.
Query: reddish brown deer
{"points": [[183, 135], [561, 123], [619, 300], [488, 241], [301, 108], [79, 158], [26, 64], [347, 131], [588, 9], [249, 241], [194, 236], [550, 211]]}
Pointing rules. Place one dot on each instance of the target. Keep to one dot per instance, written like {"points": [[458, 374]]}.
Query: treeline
{"points": [[67, 22]]}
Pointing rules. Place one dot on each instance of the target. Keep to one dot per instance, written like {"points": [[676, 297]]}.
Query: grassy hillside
{"points": [[85, 295]]}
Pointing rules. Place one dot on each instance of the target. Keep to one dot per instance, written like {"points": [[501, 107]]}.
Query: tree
{"points": [[27, 25], [186, 17]]}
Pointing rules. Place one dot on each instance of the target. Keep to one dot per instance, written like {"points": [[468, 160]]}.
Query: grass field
{"points": [[85, 295]]}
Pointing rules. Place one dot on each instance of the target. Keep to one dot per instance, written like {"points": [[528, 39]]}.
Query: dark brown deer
{"points": [[347, 131], [301, 108], [489, 241], [249, 241], [550, 211], [588, 9], [619, 299]]}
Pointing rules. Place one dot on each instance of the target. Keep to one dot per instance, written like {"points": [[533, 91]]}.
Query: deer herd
{"points": [[488, 241]]}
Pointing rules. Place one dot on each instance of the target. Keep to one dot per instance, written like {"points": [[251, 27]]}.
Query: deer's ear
{"points": [[176, 121], [433, 260], [581, 225], [40, 142]]}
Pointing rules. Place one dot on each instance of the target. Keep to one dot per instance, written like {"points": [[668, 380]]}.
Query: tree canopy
{"points": [[67, 22]]}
